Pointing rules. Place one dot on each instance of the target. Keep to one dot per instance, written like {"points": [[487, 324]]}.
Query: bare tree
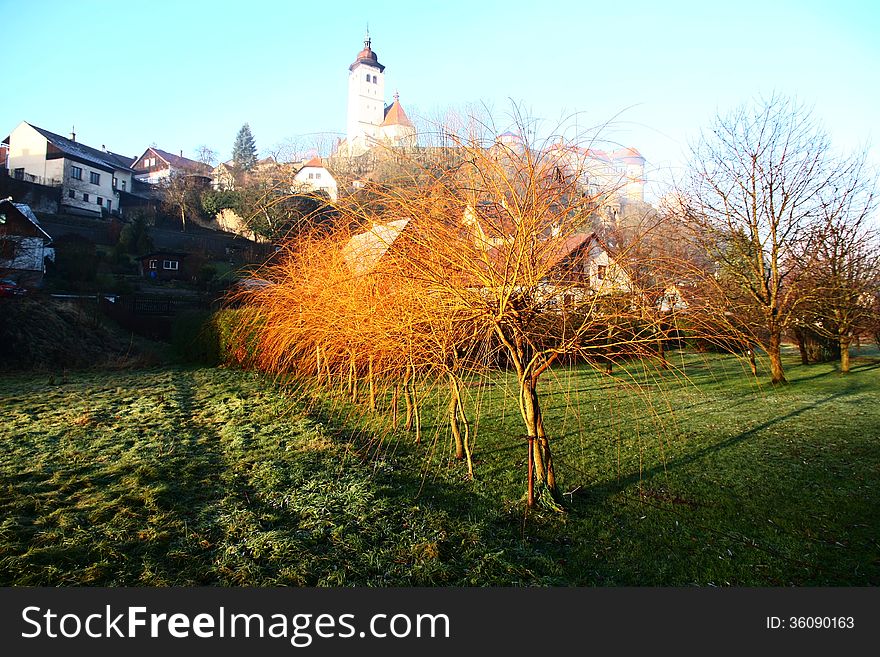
{"points": [[182, 195], [206, 155], [845, 273], [759, 185]]}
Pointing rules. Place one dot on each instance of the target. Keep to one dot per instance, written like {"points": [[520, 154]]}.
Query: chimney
{"points": [[181, 153], [72, 133]]}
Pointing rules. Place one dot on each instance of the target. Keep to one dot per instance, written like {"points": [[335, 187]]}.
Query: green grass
{"points": [[693, 476]]}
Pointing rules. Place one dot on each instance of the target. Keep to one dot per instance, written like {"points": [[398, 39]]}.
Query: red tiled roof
{"points": [[395, 115], [181, 162], [597, 154], [568, 246], [314, 162], [627, 154]]}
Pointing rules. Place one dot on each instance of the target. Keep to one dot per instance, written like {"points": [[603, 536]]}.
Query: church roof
{"points": [[367, 56], [394, 115], [627, 154]]}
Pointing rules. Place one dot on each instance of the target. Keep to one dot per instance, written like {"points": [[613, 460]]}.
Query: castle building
{"points": [[370, 121]]}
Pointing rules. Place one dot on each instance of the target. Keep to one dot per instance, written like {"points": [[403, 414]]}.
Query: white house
{"points": [[90, 178], [314, 176], [24, 245]]}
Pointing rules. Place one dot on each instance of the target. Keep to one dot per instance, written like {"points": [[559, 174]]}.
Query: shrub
{"points": [[207, 338]]}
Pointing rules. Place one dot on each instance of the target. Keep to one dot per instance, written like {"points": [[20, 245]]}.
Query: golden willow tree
{"points": [[484, 258]]}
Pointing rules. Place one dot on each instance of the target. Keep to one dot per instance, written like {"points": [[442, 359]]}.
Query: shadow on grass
{"points": [[612, 487]]}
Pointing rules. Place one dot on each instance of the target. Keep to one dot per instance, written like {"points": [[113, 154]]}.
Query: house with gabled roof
{"points": [[314, 176], [156, 166], [90, 178], [24, 245]]}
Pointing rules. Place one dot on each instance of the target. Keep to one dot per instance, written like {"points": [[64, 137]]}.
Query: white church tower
{"points": [[366, 100]]}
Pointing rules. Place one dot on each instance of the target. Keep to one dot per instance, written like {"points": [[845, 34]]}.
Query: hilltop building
{"points": [[370, 121], [156, 166], [92, 180]]}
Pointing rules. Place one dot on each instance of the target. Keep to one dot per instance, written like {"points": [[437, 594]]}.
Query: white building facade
{"points": [[366, 100], [315, 177], [90, 178], [370, 121]]}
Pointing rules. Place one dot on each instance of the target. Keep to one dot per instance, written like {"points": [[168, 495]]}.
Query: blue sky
{"points": [[182, 74]]}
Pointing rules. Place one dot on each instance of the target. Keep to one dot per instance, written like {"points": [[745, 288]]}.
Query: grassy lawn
{"points": [[695, 475]]}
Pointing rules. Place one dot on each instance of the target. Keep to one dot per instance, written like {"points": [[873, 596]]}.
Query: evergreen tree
{"points": [[244, 151]]}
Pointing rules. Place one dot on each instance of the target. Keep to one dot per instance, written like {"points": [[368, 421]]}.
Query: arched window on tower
{"points": [[374, 79], [368, 77]]}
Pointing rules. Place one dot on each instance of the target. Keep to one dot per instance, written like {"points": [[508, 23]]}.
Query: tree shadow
{"points": [[609, 488]]}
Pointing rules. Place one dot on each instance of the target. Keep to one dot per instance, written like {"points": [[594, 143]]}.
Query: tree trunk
{"points": [[408, 424], [352, 380], [372, 385], [544, 474], [802, 347], [661, 351], [416, 415], [453, 417], [609, 361], [845, 341], [777, 375]]}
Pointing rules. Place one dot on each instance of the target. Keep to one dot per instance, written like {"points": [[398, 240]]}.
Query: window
{"points": [[76, 173], [311, 175], [71, 193], [318, 175], [123, 185], [600, 272], [86, 197], [19, 173], [368, 77], [169, 264], [115, 182], [100, 201], [153, 264], [95, 178], [374, 79]]}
